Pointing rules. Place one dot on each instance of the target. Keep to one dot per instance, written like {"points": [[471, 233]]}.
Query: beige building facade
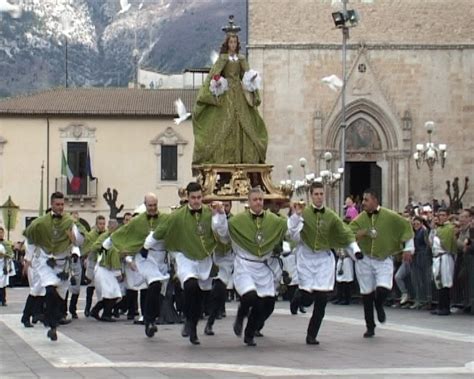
{"points": [[408, 62], [132, 141]]}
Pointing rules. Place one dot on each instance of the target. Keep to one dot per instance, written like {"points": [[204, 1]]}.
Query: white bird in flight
{"points": [[124, 5], [13, 9], [333, 82], [183, 114]]}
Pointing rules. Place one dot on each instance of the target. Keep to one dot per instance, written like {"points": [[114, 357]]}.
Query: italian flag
{"points": [[74, 181]]}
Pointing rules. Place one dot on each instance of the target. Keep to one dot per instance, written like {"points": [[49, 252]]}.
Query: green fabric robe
{"points": [[110, 259], [189, 234], [447, 236], [8, 249], [89, 240], [49, 233], [245, 230], [323, 231], [227, 129], [129, 238], [392, 231]]}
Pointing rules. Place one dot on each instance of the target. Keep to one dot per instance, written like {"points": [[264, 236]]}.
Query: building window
{"points": [[169, 163], [77, 162]]}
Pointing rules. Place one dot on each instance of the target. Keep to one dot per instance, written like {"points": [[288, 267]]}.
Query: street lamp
{"points": [[9, 213], [430, 154], [344, 19], [331, 178]]}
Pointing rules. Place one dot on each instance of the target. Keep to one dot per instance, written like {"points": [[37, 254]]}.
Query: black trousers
{"points": [[132, 303], [258, 309], [54, 304], [319, 299], [152, 302], [370, 300], [193, 296], [217, 299]]}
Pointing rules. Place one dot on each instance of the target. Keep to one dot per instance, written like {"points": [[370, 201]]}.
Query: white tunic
{"points": [[34, 281], [187, 268], [5, 277], [372, 273], [226, 266], [344, 270], [443, 265], [251, 273], [289, 265], [316, 268]]}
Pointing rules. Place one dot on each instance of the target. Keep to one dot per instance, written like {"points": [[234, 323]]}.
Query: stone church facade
{"points": [[408, 62]]}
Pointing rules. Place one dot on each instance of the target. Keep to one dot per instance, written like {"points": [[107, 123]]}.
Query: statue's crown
{"points": [[231, 28]]}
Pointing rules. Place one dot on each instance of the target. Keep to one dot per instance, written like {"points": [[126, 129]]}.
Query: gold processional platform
{"points": [[232, 182]]}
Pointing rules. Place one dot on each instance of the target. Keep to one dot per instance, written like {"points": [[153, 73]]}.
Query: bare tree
{"points": [[111, 198], [455, 198]]}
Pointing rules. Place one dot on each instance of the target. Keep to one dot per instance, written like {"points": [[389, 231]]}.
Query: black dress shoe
{"points": [[150, 329], [185, 330], [27, 324], [238, 326], [294, 306], [380, 313], [311, 340], [87, 312], [74, 316], [64, 321], [258, 333], [301, 309], [369, 333], [444, 312], [52, 335], [194, 340], [208, 330], [250, 341], [106, 319]]}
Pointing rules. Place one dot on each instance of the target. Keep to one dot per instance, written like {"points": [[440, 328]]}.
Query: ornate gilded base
{"points": [[233, 182]]}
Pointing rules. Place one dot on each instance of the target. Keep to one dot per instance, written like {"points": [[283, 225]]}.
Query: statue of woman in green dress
{"points": [[227, 126]]}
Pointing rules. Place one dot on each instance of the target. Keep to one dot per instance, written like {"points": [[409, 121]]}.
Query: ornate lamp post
{"points": [[345, 19], [329, 177], [430, 154], [10, 213]]}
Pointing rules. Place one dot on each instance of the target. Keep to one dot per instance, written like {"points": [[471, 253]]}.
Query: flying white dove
{"points": [[13, 9], [183, 114], [333, 82], [214, 56], [124, 5]]}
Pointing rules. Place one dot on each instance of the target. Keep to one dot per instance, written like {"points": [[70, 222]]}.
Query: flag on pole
{"points": [[89, 164], [74, 181]]}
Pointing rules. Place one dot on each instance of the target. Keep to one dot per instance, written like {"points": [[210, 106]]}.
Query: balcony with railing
{"points": [[80, 190]]}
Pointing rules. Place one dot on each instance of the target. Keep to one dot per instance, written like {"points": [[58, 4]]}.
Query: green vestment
{"points": [[49, 233], [391, 231], [257, 235], [323, 231], [227, 129], [129, 238], [190, 234], [8, 249], [447, 236]]}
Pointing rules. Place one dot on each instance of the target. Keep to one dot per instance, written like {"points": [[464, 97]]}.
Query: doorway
{"points": [[361, 176]]}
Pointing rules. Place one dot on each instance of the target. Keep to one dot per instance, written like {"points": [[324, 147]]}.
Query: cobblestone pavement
{"points": [[412, 344]]}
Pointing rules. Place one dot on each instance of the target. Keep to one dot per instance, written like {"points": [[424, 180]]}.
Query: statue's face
{"points": [[232, 45]]}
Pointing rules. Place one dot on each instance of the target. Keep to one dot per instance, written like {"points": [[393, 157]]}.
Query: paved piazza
{"points": [[412, 344]]}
